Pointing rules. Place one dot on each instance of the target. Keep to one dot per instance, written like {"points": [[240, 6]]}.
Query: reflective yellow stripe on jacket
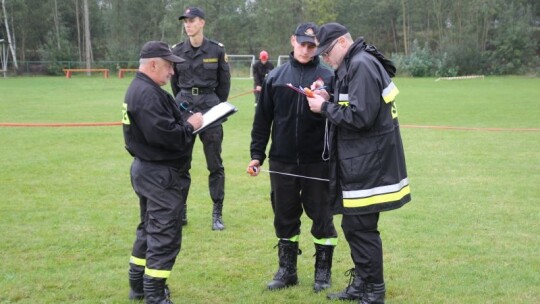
{"points": [[378, 195], [390, 92]]}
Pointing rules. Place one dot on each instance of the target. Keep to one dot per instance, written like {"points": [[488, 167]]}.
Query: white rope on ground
{"points": [[460, 77], [289, 174]]}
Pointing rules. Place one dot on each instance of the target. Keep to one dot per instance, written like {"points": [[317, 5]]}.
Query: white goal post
{"points": [[241, 65], [282, 59]]}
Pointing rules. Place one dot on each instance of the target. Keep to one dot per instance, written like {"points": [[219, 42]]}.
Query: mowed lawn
{"points": [[470, 235]]}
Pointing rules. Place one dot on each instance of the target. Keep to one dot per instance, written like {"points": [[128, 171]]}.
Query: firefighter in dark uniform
{"points": [[199, 83], [159, 139], [367, 162], [297, 160]]}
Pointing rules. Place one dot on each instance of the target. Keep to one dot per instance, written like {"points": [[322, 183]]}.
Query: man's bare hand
{"points": [[315, 103], [253, 167], [196, 120]]}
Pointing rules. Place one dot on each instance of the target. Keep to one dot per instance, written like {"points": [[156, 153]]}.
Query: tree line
{"points": [[423, 37]]}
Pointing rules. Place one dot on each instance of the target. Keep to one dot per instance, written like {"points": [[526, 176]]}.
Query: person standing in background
{"points": [[261, 68], [202, 81], [158, 138]]}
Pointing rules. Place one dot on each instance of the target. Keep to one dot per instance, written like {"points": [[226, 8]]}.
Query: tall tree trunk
{"points": [[77, 17], [57, 24], [438, 11], [405, 36], [459, 22], [87, 40], [10, 44], [394, 36]]}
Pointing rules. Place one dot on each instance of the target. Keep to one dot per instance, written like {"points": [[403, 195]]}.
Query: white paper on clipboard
{"points": [[216, 114]]}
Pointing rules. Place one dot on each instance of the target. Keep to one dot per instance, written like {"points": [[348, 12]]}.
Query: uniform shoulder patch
{"points": [[178, 44], [217, 42]]}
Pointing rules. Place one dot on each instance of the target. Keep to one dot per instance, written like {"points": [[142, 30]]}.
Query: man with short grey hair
{"points": [[367, 162], [158, 138]]}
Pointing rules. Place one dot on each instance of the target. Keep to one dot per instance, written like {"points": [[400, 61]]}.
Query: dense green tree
{"points": [[512, 49], [453, 36]]}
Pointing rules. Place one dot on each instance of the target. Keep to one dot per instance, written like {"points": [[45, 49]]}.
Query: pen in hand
{"points": [[185, 108]]}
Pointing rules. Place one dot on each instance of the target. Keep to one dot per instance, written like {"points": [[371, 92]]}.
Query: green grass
{"points": [[68, 213]]}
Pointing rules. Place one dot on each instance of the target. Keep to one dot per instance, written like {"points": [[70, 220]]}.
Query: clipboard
{"points": [[216, 114]]}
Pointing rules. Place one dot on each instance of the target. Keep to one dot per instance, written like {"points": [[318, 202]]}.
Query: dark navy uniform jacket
{"points": [[282, 114], [206, 68], [260, 70], [367, 162], [153, 127]]}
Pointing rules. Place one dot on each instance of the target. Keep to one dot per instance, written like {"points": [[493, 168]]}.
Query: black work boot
{"points": [[353, 291], [183, 215], [136, 291], [217, 220], [156, 291], [373, 294], [286, 275], [323, 267]]}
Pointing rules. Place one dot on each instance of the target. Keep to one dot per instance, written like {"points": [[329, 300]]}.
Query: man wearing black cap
{"points": [[367, 162], [297, 159], [199, 83], [159, 139]]}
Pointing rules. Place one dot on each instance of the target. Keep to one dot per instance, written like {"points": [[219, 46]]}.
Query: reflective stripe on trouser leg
{"points": [[159, 187], [294, 239], [326, 241], [137, 261]]}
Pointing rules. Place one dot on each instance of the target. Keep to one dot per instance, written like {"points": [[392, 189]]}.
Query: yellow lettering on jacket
{"points": [[125, 117], [210, 60], [394, 110]]}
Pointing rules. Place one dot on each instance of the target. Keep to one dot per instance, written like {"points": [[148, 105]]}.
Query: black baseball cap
{"points": [[154, 49], [327, 34], [306, 32], [192, 12]]}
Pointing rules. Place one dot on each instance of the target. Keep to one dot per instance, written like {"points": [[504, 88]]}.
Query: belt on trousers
{"points": [[198, 91], [175, 163]]}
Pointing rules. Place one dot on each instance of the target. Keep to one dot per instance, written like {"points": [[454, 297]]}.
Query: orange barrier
{"points": [[117, 123], [241, 94], [67, 124], [69, 71], [122, 71]]}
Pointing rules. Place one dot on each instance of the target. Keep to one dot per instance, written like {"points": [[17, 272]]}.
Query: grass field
{"points": [[68, 212]]}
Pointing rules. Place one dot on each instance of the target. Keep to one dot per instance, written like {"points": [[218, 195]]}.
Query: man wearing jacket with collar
{"points": [[367, 163], [297, 156], [158, 138], [199, 83]]}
